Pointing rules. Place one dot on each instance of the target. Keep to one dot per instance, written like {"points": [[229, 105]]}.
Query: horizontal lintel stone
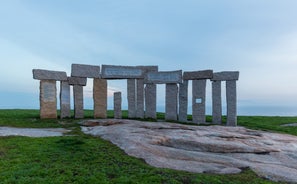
{"points": [[225, 76], [49, 75], [196, 75], [168, 77], [80, 81], [147, 69], [89, 71], [121, 72]]}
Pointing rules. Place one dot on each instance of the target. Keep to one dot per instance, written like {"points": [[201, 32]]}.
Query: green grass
{"points": [[85, 159]]}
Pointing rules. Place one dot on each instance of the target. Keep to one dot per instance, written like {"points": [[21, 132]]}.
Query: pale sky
{"points": [[256, 37]]}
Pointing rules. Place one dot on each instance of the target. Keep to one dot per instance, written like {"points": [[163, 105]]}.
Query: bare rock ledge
{"points": [[203, 149]]}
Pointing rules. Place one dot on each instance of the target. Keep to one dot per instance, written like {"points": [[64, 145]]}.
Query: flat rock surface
{"points": [[32, 132], [202, 149]]}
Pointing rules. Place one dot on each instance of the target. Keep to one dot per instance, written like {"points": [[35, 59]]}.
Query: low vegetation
{"points": [[85, 159]]}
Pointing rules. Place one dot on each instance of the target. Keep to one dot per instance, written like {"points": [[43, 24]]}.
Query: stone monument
{"points": [[198, 93], [171, 79], [48, 91], [231, 97]]}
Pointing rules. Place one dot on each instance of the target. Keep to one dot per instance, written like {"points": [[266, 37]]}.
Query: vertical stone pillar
{"points": [[131, 94], [150, 101], [231, 98], [171, 102], [198, 101], [78, 101], [140, 98], [216, 102], [48, 99], [117, 105], [183, 101], [100, 98], [65, 99]]}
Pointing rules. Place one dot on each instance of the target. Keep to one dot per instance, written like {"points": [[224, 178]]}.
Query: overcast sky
{"points": [[256, 37]]}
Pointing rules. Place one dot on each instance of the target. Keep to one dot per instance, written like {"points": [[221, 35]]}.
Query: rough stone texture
{"points": [[204, 149], [65, 99], [78, 101], [231, 99], [225, 76], [131, 95], [216, 102], [198, 101], [48, 99], [169, 77], [196, 75], [121, 72], [32, 132], [140, 98], [77, 81], [100, 98], [117, 105], [147, 69], [49, 75], [89, 71], [171, 102], [151, 101], [183, 101]]}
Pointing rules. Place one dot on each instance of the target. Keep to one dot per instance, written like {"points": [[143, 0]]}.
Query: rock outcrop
{"points": [[203, 149]]}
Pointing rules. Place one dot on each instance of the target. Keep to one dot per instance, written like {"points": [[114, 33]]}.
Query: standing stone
{"points": [[216, 102], [150, 101], [171, 102], [140, 98], [231, 103], [48, 99], [100, 98], [183, 101], [131, 94], [198, 101], [78, 101], [117, 105], [65, 99]]}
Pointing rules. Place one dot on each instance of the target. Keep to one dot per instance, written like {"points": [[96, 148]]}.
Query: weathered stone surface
{"points": [[171, 102], [32, 132], [78, 101], [88, 71], [117, 105], [77, 81], [131, 95], [49, 75], [198, 101], [183, 101], [140, 98], [225, 76], [147, 69], [196, 75], [100, 98], [65, 99], [151, 101], [231, 98], [121, 72], [48, 99], [216, 102], [169, 77], [204, 149]]}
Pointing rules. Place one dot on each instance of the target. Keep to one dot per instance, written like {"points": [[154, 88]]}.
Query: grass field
{"points": [[85, 159]]}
